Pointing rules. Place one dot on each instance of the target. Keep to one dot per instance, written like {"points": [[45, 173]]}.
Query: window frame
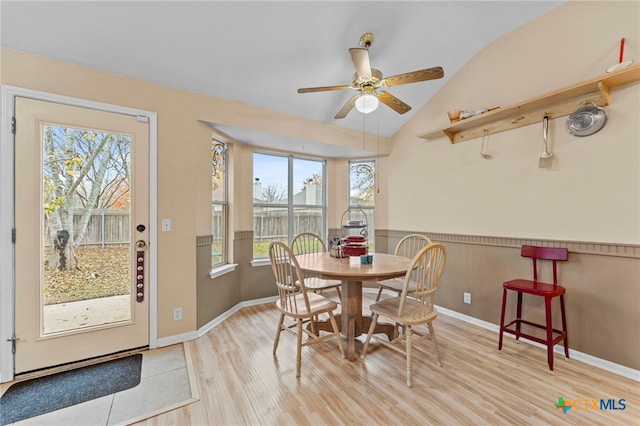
{"points": [[290, 205], [224, 206], [364, 207]]}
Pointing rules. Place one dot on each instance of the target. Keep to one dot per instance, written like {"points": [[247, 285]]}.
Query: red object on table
{"points": [[354, 250]]}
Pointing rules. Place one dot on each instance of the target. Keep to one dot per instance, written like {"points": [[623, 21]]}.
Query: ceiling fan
{"points": [[369, 82]]}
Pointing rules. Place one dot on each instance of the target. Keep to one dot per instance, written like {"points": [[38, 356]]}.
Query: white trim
{"points": [[6, 246], [153, 229], [578, 356], [603, 364], [260, 262], [7, 273], [218, 271], [176, 338], [221, 318], [192, 335]]}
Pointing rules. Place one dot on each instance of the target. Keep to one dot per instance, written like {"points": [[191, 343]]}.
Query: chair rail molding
{"points": [[584, 247]]}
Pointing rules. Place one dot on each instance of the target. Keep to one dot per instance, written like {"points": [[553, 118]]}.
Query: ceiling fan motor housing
{"points": [[368, 84]]}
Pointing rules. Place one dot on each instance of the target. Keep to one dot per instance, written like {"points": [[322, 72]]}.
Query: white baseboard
{"points": [[176, 338], [192, 335], [618, 369], [220, 318]]}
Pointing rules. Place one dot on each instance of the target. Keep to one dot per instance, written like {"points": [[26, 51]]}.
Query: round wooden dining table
{"points": [[352, 274]]}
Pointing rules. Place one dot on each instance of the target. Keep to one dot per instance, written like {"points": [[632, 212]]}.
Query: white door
{"points": [[81, 221]]}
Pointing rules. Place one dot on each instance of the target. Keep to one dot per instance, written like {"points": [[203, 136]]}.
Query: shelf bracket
{"points": [[604, 93]]}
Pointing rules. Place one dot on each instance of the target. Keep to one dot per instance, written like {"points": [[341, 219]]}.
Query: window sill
{"points": [[261, 262], [222, 270]]}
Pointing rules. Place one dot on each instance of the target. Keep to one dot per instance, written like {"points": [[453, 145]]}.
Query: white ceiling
{"points": [[261, 52]]}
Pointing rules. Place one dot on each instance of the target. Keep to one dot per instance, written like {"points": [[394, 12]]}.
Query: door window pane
{"points": [[86, 224]]}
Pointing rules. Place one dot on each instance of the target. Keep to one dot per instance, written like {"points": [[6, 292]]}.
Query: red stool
{"points": [[537, 288]]}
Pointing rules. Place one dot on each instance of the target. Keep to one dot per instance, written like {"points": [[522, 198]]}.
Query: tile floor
{"points": [[164, 385]]}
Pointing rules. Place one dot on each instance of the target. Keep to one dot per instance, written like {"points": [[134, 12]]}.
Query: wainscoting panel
{"points": [[600, 249], [602, 282]]}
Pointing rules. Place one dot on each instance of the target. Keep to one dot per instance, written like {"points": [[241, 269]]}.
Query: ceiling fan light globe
{"points": [[366, 103]]}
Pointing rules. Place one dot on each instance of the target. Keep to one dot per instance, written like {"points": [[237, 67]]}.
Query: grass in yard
{"points": [[103, 272]]}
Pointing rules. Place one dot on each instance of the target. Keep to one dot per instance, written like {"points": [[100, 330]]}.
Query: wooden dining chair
{"points": [[409, 246], [309, 242], [414, 306], [299, 305], [538, 288]]}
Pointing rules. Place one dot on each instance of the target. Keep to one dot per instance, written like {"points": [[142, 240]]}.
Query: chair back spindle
{"points": [[410, 245], [422, 280], [308, 242], [288, 278]]}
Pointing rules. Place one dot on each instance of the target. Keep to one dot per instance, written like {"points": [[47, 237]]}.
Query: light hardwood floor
{"points": [[241, 383]]}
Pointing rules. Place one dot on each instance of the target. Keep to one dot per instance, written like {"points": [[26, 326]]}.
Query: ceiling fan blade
{"points": [[392, 102], [347, 107], [360, 58], [322, 89], [414, 77]]}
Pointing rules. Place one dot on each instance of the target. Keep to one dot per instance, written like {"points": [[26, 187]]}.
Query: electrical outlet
{"points": [[467, 298], [177, 314], [166, 225]]}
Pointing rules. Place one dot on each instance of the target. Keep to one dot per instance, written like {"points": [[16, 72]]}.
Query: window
{"points": [[288, 198], [362, 185], [218, 203]]}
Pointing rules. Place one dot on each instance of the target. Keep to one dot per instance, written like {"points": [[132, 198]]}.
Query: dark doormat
{"points": [[45, 394]]}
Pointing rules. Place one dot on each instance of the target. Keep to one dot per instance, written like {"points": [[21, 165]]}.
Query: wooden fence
{"points": [[105, 228], [112, 227], [272, 224]]}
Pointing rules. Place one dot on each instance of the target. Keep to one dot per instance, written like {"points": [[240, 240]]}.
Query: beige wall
{"points": [[184, 191], [592, 192], [601, 281]]}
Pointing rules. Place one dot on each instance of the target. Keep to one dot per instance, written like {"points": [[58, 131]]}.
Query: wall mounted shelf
{"points": [[555, 104]]}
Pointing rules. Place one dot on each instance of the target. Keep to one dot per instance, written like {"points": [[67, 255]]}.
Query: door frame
{"points": [[7, 220]]}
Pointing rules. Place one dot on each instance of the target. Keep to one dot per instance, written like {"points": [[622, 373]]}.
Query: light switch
{"points": [[166, 225]]}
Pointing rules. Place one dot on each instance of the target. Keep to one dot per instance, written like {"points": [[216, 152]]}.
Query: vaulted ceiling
{"points": [[261, 52]]}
